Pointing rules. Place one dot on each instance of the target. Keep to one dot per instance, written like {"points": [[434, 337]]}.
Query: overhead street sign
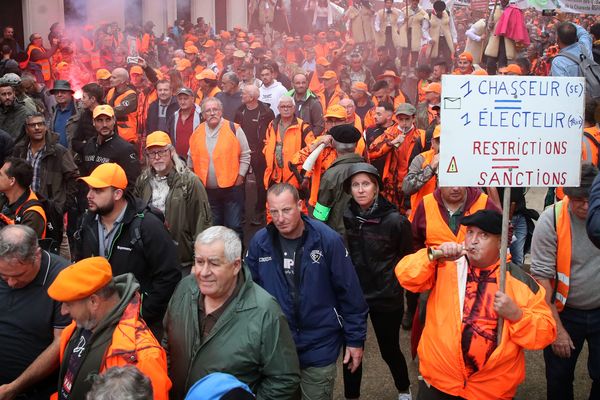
{"points": [[511, 131]]}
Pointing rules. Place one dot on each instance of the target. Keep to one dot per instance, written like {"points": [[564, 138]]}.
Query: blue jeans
{"points": [[581, 325], [227, 206], [517, 246]]}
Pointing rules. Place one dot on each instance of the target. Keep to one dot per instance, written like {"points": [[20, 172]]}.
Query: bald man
{"points": [[123, 99], [254, 117]]}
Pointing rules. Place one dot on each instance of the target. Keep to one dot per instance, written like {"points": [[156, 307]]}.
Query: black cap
{"points": [[486, 220], [588, 174], [361, 167], [345, 133]]}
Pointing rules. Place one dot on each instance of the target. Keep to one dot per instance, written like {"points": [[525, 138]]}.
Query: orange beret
{"points": [[81, 279]]}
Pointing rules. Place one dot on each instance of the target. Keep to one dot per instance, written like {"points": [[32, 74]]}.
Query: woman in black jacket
{"points": [[378, 236]]}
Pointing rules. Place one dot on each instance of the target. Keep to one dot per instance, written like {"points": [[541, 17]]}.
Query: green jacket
{"points": [[251, 341], [187, 212], [332, 200]]}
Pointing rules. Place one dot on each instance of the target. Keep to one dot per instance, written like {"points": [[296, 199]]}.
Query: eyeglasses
{"points": [[157, 153], [286, 106], [36, 124]]}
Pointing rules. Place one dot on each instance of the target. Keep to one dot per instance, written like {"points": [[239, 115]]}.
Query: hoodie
{"points": [[272, 94]]}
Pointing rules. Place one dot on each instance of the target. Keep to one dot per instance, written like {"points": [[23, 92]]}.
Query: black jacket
{"points": [[152, 119], [142, 247], [376, 243], [6, 146], [256, 139], [114, 149]]}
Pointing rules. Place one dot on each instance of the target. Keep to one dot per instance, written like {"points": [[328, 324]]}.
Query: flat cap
{"points": [[486, 220], [81, 279], [345, 133]]}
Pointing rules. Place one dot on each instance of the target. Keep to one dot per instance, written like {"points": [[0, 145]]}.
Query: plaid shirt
{"points": [[35, 160]]}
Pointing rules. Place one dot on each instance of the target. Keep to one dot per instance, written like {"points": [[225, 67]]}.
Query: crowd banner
{"points": [[568, 6]]}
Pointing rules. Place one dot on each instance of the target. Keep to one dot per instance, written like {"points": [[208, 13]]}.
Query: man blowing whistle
{"points": [[459, 352]]}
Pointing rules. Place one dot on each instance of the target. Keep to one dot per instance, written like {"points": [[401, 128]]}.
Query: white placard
{"points": [[511, 131]]}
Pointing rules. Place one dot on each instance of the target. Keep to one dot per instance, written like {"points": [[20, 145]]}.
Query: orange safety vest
{"points": [[37, 209], [44, 63], [358, 123], [87, 44], [563, 252], [315, 85], [293, 141], [437, 230], [128, 128], [429, 186], [225, 156], [200, 95]]}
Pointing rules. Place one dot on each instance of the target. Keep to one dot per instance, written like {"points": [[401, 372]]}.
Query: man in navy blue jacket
{"points": [[303, 263]]}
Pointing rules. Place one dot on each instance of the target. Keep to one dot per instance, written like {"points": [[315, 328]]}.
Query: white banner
{"points": [[568, 6], [511, 131]]}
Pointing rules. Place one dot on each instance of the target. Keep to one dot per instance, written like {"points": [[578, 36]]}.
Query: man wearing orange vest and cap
{"points": [[125, 231], [124, 101], [463, 354], [465, 64], [428, 110], [332, 93], [565, 262], [107, 329], [219, 154]]}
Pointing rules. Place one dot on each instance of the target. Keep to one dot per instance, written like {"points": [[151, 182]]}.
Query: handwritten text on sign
{"points": [[515, 131]]}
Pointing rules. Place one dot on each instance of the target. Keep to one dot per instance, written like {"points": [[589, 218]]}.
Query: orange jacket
{"points": [[563, 252], [293, 142], [338, 94], [44, 63], [132, 344], [225, 156], [440, 353], [428, 187], [127, 129], [144, 101]]}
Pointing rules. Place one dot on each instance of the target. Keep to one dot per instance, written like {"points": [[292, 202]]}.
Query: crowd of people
{"points": [[125, 159]]}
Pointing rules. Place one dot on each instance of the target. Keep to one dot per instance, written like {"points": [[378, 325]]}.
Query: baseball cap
{"points": [[103, 74], [184, 90], [336, 111], [81, 280], [433, 87], [329, 75], [136, 69], [207, 74], [405, 109], [465, 55], [360, 86], [191, 49], [511, 69], [323, 61], [255, 45], [182, 64], [157, 138], [103, 109], [107, 175]]}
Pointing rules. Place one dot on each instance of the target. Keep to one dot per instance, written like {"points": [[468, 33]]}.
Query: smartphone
{"points": [[133, 60], [549, 13]]}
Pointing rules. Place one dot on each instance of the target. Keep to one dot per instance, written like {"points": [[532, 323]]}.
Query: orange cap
{"points": [[182, 64], [209, 43], [207, 74], [81, 280], [336, 111], [158, 138], [465, 55], [437, 131], [433, 87], [136, 69], [191, 49], [107, 175], [225, 35], [188, 43], [329, 74], [103, 74], [360, 86], [323, 62], [479, 71], [513, 69], [103, 109], [389, 74]]}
